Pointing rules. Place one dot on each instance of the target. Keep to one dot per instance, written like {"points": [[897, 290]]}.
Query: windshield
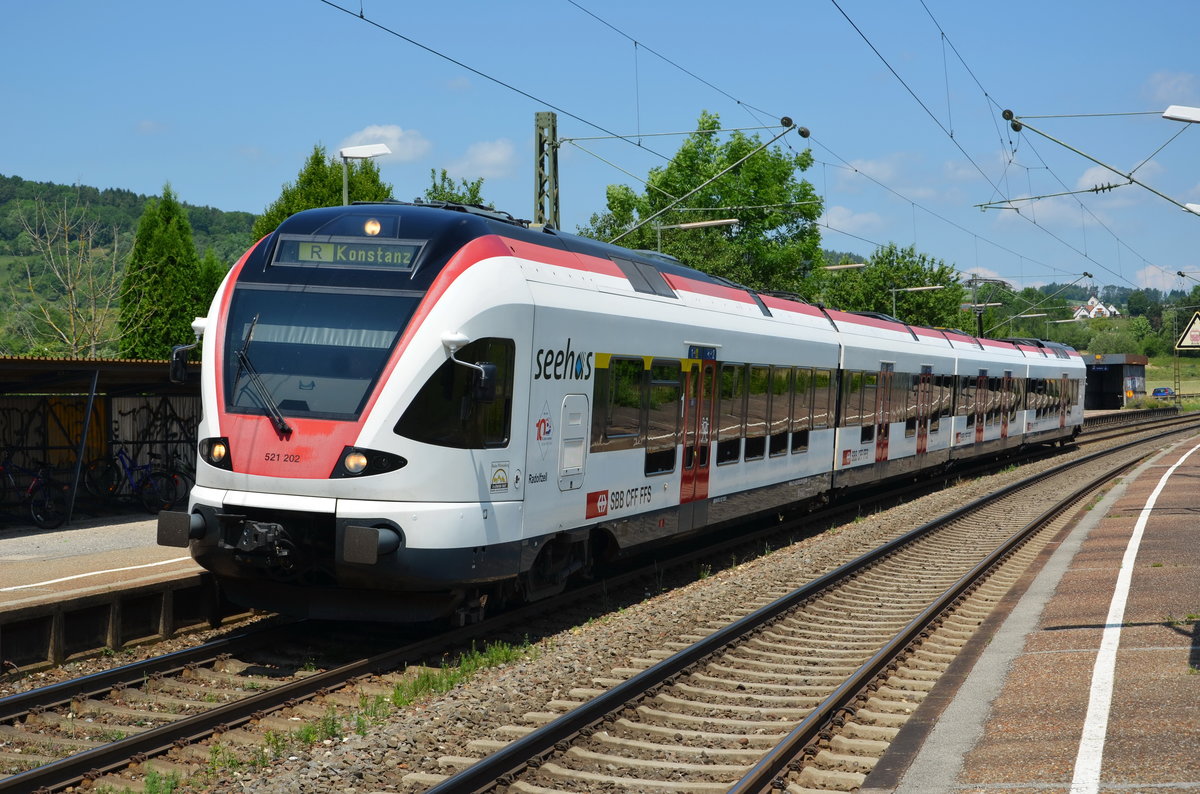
{"points": [[318, 352]]}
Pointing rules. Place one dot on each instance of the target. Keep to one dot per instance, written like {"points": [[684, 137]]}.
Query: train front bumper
{"points": [[312, 556]]}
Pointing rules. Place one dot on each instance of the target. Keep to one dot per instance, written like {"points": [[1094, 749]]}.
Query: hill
{"points": [[226, 233]]}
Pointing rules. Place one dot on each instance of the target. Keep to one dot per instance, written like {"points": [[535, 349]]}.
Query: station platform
{"points": [[94, 554], [1089, 679]]}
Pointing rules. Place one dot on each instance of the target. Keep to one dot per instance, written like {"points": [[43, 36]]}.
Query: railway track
{"points": [[234, 689], [805, 693]]}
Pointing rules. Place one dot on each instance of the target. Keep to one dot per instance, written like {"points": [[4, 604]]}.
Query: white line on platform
{"points": [[91, 573], [1095, 725]]}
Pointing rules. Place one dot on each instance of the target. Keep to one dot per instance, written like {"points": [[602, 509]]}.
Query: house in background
{"points": [[1093, 309]]}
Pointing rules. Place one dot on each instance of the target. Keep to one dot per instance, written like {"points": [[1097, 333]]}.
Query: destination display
{"points": [[389, 254]]}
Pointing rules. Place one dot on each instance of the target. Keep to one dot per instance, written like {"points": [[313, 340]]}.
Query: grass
{"points": [[1160, 371]]}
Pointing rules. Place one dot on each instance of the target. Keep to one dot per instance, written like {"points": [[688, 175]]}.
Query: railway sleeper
{"points": [[817, 779], [15, 735], [761, 741], [739, 755], [555, 771], [67, 722], [89, 707], [710, 724]]}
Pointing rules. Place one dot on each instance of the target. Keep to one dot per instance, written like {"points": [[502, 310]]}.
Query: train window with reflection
{"points": [[662, 417], [802, 388], [966, 398], [822, 399], [780, 412], [757, 394], [450, 410], [852, 395], [617, 406], [732, 412]]}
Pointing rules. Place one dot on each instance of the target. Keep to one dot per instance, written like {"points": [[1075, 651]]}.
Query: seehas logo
{"points": [[565, 364]]}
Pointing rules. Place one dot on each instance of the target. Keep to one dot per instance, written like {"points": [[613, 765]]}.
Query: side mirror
{"points": [[179, 359], [484, 382]]}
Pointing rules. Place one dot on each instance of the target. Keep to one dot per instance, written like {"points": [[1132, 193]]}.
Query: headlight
{"points": [[358, 462], [355, 462], [215, 452]]}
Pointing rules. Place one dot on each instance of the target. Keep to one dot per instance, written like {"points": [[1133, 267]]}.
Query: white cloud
{"points": [[487, 159], [459, 85], [1157, 278], [843, 219], [1172, 88], [406, 145]]}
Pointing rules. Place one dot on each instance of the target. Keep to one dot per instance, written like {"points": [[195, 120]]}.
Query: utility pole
{"points": [[545, 168]]}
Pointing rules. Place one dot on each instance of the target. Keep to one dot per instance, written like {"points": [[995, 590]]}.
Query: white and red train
{"points": [[410, 408]]}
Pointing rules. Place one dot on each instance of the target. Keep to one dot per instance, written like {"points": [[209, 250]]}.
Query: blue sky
{"points": [[226, 99]]}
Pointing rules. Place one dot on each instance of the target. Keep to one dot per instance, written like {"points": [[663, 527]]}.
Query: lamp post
{"points": [[894, 290], [364, 152], [692, 225], [1191, 116]]}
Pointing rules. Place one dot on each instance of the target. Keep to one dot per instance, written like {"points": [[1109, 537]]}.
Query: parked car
{"points": [[1163, 391]]}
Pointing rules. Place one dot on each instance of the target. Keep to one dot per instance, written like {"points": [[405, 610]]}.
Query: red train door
{"points": [[924, 408], [698, 403]]}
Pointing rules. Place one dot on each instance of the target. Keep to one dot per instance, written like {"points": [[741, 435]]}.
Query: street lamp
{"points": [[851, 266], [692, 225], [364, 152], [1192, 116], [911, 289]]}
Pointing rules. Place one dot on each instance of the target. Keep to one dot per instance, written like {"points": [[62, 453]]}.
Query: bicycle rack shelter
{"points": [[66, 411]]}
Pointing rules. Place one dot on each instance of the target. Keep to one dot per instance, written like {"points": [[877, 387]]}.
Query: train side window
{"points": [[852, 388], [936, 403], [732, 413], [757, 391], [781, 410], [966, 398], [623, 403], [662, 417], [823, 399], [869, 412], [446, 411], [802, 408], [910, 418]]}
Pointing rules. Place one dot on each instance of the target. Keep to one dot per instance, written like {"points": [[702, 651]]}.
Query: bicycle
{"points": [[45, 497], [112, 478]]}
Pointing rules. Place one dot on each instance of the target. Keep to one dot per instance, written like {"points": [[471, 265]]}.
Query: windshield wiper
{"points": [[281, 425]]}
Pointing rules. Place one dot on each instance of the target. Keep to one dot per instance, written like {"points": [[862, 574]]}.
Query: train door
{"points": [[700, 387], [981, 402], [924, 407], [883, 411]]}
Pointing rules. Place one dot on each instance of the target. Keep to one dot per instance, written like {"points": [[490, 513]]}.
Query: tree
{"points": [[211, 271], [776, 235], [66, 303], [160, 293], [319, 184], [890, 267], [442, 188]]}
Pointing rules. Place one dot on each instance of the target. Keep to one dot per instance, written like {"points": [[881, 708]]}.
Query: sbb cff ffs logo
{"points": [[597, 504], [566, 364]]}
